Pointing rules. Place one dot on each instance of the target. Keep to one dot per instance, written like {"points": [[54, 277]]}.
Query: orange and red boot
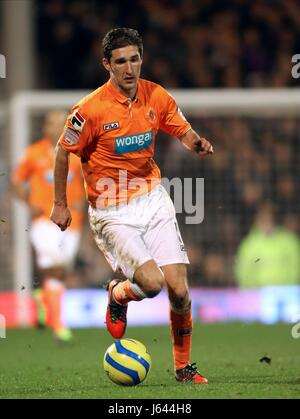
{"points": [[116, 314], [190, 374]]}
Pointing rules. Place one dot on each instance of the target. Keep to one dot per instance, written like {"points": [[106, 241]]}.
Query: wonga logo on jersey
{"points": [[134, 142]]}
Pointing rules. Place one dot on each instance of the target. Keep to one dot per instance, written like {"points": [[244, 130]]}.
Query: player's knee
{"points": [[153, 290], [150, 279], [180, 301], [152, 285]]}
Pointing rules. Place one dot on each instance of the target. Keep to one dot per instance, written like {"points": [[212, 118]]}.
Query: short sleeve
{"points": [[77, 133], [172, 120]]}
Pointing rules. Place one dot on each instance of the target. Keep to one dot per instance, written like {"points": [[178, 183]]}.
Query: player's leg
{"points": [[53, 291], [180, 313], [181, 322], [44, 239], [118, 234], [164, 241], [54, 252], [41, 308], [145, 282]]}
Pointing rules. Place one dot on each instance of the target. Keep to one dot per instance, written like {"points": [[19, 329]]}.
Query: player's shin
{"points": [[53, 290], [181, 331], [126, 291], [41, 308], [120, 293]]}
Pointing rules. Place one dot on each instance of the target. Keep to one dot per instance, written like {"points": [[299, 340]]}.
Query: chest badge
{"points": [[151, 115]]}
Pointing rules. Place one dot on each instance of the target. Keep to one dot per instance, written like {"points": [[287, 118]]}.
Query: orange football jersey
{"points": [[115, 138], [36, 168]]}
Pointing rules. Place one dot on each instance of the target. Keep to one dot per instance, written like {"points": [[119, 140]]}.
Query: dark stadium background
{"points": [[55, 44]]}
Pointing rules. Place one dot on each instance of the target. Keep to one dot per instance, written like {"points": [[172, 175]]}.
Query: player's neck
{"points": [[131, 93]]}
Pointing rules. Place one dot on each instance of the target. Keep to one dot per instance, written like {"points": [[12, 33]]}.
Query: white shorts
{"points": [[131, 234], [53, 247]]}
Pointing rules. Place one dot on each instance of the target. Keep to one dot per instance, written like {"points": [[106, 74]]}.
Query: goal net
{"points": [[255, 134]]}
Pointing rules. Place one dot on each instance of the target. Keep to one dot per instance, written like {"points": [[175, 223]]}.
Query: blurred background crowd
{"points": [[252, 181], [188, 43], [255, 167]]}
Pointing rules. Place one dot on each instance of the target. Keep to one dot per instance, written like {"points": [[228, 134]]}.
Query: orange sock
{"points": [[181, 332], [126, 291], [53, 291]]}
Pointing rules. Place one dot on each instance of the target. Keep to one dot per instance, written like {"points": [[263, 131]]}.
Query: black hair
{"points": [[119, 38]]}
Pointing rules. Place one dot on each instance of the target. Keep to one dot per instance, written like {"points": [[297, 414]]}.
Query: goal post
{"points": [[193, 102]]}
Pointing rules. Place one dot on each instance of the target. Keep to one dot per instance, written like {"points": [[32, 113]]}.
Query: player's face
{"points": [[125, 68]]}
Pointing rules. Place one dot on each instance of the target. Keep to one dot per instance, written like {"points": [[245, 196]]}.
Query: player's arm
{"points": [[60, 213], [174, 123], [21, 191], [20, 183], [195, 143]]}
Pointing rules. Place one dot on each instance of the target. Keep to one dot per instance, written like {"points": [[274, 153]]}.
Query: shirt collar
{"points": [[118, 95]]}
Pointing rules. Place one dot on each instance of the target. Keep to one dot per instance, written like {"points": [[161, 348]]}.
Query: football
{"points": [[127, 362]]}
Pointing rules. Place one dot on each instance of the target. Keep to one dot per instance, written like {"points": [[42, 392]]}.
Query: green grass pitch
{"points": [[32, 365]]}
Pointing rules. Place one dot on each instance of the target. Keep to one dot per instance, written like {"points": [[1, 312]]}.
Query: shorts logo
{"points": [[135, 142], [71, 137], [78, 121], [110, 126]]}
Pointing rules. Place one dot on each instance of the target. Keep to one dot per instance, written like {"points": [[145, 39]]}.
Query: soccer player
{"points": [[33, 183], [133, 218]]}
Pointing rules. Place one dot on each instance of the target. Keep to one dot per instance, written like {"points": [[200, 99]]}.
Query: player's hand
{"points": [[61, 216], [203, 147]]}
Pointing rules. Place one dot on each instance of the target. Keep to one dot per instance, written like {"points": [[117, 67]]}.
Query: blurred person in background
{"points": [[214, 269], [55, 251], [269, 255]]}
